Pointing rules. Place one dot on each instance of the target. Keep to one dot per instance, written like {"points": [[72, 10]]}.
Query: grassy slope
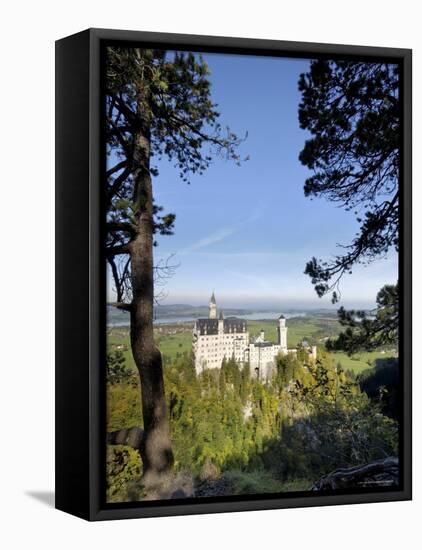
{"points": [[298, 329], [314, 329]]}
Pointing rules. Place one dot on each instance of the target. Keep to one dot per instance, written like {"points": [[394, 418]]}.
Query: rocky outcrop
{"points": [[380, 473]]}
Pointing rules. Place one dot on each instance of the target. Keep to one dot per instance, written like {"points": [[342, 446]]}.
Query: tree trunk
{"points": [[156, 452]]}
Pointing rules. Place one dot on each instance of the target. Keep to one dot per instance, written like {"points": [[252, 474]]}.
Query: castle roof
{"points": [[265, 344], [212, 300], [234, 324], [281, 316], [207, 326], [231, 325]]}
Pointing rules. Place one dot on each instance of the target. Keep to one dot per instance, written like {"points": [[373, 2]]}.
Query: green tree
{"points": [[245, 376], [158, 104], [222, 380], [117, 370], [370, 331], [352, 111]]}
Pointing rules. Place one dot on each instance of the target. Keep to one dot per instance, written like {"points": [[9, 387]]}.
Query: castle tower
{"points": [[221, 323], [282, 332], [213, 307]]}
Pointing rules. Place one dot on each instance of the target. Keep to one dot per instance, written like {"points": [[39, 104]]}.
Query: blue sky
{"points": [[247, 232]]}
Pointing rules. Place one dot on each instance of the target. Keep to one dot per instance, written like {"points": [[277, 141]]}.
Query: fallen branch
{"points": [[380, 473]]}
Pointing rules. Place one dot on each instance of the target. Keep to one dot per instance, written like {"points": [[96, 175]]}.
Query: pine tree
{"points": [[352, 111], [158, 104], [370, 331]]}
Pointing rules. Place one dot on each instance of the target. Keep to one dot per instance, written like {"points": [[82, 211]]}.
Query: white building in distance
{"points": [[216, 338]]}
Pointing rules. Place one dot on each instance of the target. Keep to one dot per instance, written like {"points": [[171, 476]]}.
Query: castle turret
{"points": [[213, 307], [221, 323], [282, 332]]}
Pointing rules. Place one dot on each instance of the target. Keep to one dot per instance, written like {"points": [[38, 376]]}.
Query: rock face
{"points": [[380, 473]]}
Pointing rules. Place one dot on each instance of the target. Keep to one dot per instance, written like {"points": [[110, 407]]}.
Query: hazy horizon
{"points": [[260, 303]]}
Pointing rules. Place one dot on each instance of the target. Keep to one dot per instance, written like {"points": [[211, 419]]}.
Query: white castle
{"points": [[217, 338]]}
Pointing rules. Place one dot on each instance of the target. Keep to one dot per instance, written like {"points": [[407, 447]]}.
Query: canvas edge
{"points": [[262, 47]]}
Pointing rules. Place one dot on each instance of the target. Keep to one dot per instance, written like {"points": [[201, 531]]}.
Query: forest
{"points": [[232, 434]]}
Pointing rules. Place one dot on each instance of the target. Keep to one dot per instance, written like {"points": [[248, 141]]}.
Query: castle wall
{"points": [[211, 349], [262, 359]]}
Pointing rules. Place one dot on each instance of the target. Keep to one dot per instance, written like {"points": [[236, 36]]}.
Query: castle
{"points": [[216, 338]]}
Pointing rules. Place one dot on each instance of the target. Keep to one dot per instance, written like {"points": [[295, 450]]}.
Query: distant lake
{"points": [[117, 318]]}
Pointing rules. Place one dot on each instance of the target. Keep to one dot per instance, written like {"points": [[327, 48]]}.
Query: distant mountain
{"points": [[164, 311], [187, 310], [175, 306], [168, 313]]}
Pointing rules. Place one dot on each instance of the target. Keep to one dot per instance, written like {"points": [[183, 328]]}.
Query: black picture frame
{"points": [[80, 275]]}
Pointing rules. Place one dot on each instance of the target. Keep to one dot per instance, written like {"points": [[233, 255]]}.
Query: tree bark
{"points": [[156, 452]]}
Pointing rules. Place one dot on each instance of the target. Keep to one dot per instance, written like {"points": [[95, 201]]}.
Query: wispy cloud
{"points": [[219, 235], [215, 237], [255, 280], [257, 256]]}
